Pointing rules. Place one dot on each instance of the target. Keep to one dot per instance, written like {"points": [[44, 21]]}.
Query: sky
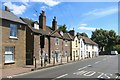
{"points": [[80, 16]]}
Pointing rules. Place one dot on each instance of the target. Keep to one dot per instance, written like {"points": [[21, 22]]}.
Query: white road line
{"points": [[116, 76], [100, 76], [83, 68], [89, 65], [97, 62], [107, 76], [62, 76], [90, 73]]}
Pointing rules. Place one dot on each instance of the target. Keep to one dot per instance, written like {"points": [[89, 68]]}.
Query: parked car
{"points": [[114, 52]]}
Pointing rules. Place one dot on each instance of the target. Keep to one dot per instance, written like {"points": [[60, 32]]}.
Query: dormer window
{"points": [[36, 26]]}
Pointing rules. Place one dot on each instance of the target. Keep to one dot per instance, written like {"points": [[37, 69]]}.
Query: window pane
{"points": [[8, 58], [13, 30], [9, 54]]}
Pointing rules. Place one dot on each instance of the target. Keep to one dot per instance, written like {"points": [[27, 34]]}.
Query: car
{"points": [[114, 52]]}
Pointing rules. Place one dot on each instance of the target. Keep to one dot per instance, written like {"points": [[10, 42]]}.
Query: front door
{"points": [[29, 58]]}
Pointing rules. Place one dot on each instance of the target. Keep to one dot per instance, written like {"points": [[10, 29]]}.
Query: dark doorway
{"points": [[89, 54], [29, 58]]}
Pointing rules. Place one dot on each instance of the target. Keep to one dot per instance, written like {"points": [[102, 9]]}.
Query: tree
{"points": [[111, 40], [84, 34], [106, 39], [100, 37], [116, 47], [63, 28]]}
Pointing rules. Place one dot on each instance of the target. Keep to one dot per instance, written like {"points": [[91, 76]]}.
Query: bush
{"points": [[116, 47]]}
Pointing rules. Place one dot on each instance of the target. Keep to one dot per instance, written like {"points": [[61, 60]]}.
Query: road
{"points": [[98, 67]]}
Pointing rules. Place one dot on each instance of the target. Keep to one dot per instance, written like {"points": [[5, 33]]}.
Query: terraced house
{"points": [[13, 40], [88, 48], [53, 41], [83, 47]]}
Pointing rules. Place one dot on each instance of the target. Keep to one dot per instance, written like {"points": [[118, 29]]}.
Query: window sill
{"points": [[9, 62], [11, 37]]}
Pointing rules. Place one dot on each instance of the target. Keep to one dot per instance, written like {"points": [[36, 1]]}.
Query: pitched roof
{"points": [[67, 36], [55, 34], [10, 16], [87, 40], [30, 25]]}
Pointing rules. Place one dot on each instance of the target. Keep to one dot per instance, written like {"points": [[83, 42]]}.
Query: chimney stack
{"points": [[7, 9], [42, 21], [54, 24], [72, 32]]}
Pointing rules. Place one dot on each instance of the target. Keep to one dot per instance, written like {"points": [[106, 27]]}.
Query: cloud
{"points": [[34, 15], [98, 13], [44, 8], [103, 12], [85, 27], [15, 8], [50, 3]]}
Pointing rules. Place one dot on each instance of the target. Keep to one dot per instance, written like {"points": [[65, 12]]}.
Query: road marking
{"points": [[90, 73], [100, 76], [62, 76], [83, 68], [107, 76], [89, 65], [80, 72], [97, 62], [116, 76]]}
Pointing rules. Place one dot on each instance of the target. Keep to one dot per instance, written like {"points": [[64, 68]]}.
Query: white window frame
{"points": [[11, 36], [9, 53]]}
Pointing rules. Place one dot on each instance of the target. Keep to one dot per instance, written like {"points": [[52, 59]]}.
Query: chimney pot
{"points": [[54, 17], [43, 12], [7, 9]]}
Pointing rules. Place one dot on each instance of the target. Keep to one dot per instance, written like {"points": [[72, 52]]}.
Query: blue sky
{"points": [[82, 16]]}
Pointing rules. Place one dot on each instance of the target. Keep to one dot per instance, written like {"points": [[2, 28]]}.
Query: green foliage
{"points": [[83, 34], [63, 28], [116, 47], [105, 39]]}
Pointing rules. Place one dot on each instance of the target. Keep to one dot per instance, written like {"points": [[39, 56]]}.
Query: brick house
{"points": [[13, 40], [53, 40], [33, 46], [56, 42], [67, 38]]}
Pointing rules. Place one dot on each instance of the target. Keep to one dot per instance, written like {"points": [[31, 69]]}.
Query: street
{"points": [[99, 67]]}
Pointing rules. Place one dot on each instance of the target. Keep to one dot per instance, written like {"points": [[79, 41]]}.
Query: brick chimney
{"points": [[42, 21], [7, 9], [54, 24]]}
